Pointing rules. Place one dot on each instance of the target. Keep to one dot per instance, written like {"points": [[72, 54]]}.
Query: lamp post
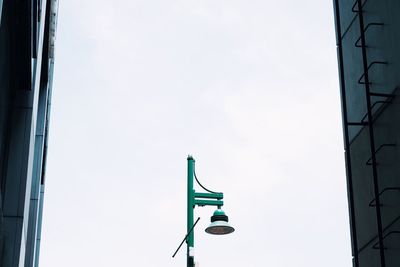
{"points": [[219, 221]]}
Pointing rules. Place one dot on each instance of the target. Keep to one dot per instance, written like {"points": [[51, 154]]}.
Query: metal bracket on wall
{"points": [[356, 44], [383, 95], [372, 107], [362, 123], [369, 66], [372, 202], [354, 6], [376, 245], [364, 79], [369, 161], [389, 99]]}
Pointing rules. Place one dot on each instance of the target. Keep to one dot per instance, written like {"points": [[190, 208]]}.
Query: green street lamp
{"points": [[219, 224], [219, 221]]}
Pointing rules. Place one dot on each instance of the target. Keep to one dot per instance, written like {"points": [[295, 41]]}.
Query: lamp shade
{"points": [[219, 224]]}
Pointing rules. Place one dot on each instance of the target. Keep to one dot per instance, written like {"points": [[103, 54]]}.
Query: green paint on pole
{"points": [[190, 206]]}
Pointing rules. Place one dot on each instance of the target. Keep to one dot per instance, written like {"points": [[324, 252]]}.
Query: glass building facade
{"points": [[27, 37], [368, 41]]}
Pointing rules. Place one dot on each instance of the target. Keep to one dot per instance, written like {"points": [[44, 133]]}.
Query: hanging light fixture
{"points": [[219, 224]]}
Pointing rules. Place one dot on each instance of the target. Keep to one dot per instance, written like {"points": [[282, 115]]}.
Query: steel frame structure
{"points": [[372, 100]]}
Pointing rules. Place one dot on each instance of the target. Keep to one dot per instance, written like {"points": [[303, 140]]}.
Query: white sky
{"points": [[250, 88]]}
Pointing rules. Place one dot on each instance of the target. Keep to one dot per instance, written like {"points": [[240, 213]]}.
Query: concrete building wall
{"points": [[369, 67]]}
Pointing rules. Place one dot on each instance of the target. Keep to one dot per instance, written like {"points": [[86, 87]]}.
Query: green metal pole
{"points": [[190, 207]]}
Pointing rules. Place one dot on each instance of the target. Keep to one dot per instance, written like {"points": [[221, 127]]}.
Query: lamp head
{"points": [[219, 224]]}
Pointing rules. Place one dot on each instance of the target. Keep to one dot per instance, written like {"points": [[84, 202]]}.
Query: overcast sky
{"points": [[249, 88]]}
